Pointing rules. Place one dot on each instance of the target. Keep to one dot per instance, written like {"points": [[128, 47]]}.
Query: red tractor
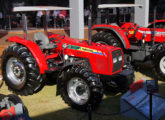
{"points": [[159, 24], [76, 64], [12, 108], [138, 43]]}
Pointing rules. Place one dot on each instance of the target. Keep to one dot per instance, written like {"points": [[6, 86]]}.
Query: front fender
{"points": [[35, 50], [116, 30]]}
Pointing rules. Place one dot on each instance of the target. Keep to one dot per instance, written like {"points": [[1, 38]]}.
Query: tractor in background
{"points": [[159, 24], [139, 44]]}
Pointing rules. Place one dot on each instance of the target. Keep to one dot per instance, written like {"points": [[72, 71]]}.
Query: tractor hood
{"points": [[103, 59]]}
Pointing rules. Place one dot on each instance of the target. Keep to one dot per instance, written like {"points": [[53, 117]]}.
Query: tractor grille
{"points": [[117, 59]]}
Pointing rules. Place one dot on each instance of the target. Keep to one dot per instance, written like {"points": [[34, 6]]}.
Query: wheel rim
{"points": [[162, 65], [78, 91], [15, 71]]}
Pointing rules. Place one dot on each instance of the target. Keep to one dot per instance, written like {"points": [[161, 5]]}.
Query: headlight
{"points": [[66, 57], [114, 60], [120, 58]]}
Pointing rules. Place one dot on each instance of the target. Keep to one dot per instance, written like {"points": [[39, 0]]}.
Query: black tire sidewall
{"points": [[34, 81], [106, 37], [74, 105], [94, 85], [157, 64], [5, 59]]}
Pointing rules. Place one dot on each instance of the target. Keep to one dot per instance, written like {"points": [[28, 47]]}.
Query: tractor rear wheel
{"points": [[20, 70], [106, 38], [81, 88], [159, 62]]}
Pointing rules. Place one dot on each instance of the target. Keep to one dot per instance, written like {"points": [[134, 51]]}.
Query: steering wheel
{"points": [[59, 38]]}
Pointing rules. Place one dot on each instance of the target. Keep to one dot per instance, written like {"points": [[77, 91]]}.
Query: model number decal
{"points": [[84, 49], [151, 32]]}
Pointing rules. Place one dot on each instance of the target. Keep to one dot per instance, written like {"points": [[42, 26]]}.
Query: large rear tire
{"points": [[159, 62], [20, 70], [106, 38], [81, 88]]}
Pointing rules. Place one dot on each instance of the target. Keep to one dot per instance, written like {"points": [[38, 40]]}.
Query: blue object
{"points": [[137, 105]]}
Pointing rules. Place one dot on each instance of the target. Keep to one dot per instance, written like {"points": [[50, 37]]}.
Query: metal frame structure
{"points": [[25, 9], [117, 6], [77, 19]]}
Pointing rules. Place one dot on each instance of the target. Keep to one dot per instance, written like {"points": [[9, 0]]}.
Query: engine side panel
{"points": [[99, 56], [143, 33]]}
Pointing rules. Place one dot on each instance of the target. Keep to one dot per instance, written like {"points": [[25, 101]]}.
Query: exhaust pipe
{"points": [[90, 24]]}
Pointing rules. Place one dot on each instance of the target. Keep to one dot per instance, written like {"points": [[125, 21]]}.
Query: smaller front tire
{"points": [[81, 88]]}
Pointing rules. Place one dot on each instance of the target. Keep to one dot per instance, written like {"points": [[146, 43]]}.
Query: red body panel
{"points": [[128, 32], [99, 60], [159, 36], [137, 85], [158, 21], [117, 29], [144, 33], [7, 114], [35, 50], [99, 56]]}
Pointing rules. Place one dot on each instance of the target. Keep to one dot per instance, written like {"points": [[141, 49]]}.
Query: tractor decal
{"points": [[151, 32], [131, 32], [84, 49]]}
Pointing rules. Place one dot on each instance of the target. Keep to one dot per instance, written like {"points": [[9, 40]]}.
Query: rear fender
{"points": [[35, 50], [116, 31]]}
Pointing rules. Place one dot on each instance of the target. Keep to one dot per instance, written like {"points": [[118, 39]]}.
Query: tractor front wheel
{"points": [[20, 70], [81, 88]]}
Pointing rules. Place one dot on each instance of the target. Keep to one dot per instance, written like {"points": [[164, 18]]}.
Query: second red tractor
{"points": [[139, 44]]}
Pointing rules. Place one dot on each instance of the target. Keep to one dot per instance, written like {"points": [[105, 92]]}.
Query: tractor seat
{"points": [[42, 40]]}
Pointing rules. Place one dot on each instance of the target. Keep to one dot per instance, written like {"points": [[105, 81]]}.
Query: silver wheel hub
{"points": [[15, 71], [162, 65], [18, 70], [78, 91]]}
